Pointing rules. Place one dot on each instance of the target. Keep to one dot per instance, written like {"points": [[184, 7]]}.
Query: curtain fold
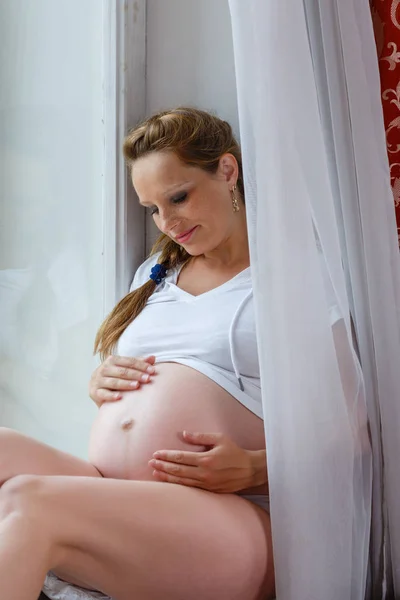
{"points": [[318, 197]]}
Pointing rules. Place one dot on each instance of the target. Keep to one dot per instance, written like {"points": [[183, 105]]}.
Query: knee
{"points": [[25, 505], [22, 495], [12, 451], [7, 434], [8, 439]]}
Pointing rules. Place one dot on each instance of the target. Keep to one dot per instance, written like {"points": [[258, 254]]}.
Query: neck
{"points": [[232, 253]]}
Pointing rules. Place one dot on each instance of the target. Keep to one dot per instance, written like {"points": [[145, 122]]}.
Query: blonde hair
{"points": [[198, 139]]}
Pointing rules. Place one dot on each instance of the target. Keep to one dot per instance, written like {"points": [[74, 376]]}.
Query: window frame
{"points": [[124, 86]]}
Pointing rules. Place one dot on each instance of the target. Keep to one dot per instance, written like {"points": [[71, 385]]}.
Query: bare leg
{"points": [[21, 455], [133, 540]]}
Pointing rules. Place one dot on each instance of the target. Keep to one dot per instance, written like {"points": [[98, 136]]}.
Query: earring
{"points": [[235, 203]]}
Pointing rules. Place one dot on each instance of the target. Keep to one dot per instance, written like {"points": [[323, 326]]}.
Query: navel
{"points": [[127, 423]]}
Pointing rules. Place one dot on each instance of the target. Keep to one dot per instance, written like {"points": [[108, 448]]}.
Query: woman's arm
{"points": [[224, 467], [258, 461]]}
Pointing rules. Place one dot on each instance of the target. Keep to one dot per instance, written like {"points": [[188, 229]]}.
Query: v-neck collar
{"points": [[172, 280]]}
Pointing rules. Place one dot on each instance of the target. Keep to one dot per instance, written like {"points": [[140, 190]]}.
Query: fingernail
{"points": [[152, 462], [157, 454], [145, 378], [134, 384], [151, 370], [118, 396]]}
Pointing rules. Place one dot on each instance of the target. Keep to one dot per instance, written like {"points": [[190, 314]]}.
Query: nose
{"points": [[165, 220]]}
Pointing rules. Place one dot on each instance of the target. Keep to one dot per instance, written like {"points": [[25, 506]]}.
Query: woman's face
{"points": [[189, 205]]}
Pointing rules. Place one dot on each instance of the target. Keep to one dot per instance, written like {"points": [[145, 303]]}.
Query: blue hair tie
{"points": [[158, 273]]}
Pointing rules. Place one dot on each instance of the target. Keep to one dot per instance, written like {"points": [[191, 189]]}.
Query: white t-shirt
{"points": [[213, 332]]}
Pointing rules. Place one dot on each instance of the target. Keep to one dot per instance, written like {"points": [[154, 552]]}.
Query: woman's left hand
{"points": [[223, 467]]}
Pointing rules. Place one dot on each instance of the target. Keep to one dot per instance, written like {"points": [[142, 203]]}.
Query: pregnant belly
{"points": [[126, 433]]}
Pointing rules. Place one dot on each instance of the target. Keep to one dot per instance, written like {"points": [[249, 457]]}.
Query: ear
{"points": [[228, 168]]}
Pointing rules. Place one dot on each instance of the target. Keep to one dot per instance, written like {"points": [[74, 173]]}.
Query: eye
{"points": [[180, 198], [153, 210]]}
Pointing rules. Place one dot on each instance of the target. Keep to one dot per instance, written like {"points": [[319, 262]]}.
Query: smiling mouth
{"points": [[186, 235]]}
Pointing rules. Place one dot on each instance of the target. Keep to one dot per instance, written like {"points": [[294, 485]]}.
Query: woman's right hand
{"points": [[117, 374]]}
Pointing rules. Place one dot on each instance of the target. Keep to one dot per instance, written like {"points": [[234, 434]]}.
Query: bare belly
{"points": [[126, 433]]}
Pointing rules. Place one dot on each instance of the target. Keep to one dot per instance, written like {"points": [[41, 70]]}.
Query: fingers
{"points": [[203, 439], [125, 373], [177, 478], [159, 476], [124, 365], [182, 471], [126, 383], [193, 459], [117, 374], [103, 395]]}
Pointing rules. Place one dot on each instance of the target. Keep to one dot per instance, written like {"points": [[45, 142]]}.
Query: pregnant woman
{"points": [[173, 501]]}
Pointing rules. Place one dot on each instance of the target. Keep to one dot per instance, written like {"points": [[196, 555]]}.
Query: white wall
{"points": [[190, 59], [51, 186], [51, 242]]}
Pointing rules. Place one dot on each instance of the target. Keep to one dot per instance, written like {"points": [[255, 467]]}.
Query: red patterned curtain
{"points": [[386, 19]]}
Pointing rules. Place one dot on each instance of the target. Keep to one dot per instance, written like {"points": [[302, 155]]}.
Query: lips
{"points": [[184, 237]]}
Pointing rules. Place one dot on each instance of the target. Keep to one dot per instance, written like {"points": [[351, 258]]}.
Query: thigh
{"points": [[22, 455], [150, 540]]}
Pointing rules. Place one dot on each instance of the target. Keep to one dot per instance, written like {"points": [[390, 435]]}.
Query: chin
{"points": [[200, 249], [195, 251]]}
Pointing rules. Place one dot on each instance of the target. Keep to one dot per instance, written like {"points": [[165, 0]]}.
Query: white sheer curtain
{"points": [[315, 166]]}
